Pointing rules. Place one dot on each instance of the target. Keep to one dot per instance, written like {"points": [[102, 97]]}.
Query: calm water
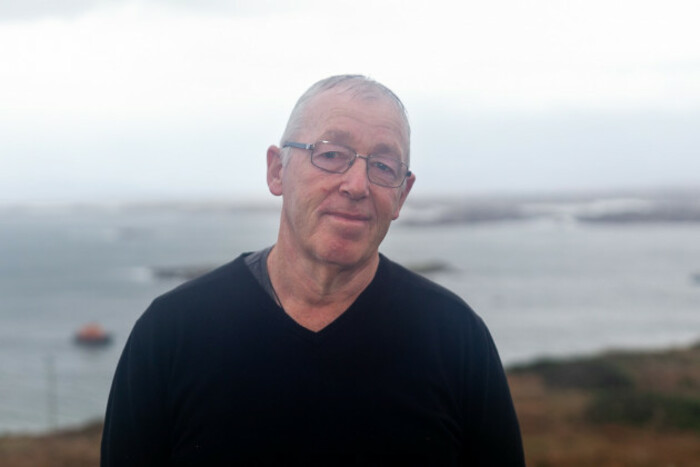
{"points": [[545, 288]]}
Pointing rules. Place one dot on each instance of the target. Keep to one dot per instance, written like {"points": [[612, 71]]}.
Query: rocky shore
{"points": [[619, 408], [618, 208]]}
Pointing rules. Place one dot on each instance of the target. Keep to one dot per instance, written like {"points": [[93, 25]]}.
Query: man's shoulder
{"points": [[420, 303], [416, 286], [223, 298], [209, 288], [427, 300]]}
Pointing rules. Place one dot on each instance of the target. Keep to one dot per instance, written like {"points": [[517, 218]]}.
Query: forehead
{"points": [[373, 121]]}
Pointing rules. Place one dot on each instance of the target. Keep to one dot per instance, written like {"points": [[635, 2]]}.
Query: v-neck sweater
{"points": [[216, 373]]}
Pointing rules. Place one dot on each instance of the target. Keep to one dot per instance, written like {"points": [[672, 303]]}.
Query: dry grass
{"points": [[557, 420], [66, 448]]}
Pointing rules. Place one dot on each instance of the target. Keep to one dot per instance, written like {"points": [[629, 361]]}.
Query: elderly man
{"points": [[318, 350]]}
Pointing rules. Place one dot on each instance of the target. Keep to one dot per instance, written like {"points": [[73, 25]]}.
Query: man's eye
{"points": [[330, 155], [382, 167]]}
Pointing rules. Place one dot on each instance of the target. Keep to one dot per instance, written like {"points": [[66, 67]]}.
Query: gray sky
{"points": [[109, 100]]}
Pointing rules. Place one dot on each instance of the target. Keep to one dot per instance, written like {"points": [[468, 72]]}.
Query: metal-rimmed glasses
{"points": [[382, 169]]}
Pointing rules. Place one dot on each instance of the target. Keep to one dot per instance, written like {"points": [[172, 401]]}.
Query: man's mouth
{"points": [[349, 216]]}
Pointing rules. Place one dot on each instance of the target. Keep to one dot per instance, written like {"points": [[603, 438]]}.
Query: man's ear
{"points": [[274, 170], [410, 180]]}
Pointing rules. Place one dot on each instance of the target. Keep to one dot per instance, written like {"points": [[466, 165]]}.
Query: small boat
{"points": [[92, 335]]}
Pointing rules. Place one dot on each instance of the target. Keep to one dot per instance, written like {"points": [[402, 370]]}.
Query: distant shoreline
{"points": [[611, 208], [602, 207]]}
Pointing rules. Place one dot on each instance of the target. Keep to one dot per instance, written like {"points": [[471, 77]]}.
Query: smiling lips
{"points": [[353, 217]]}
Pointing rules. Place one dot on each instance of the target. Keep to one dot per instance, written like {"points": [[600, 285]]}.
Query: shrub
{"points": [[581, 374], [648, 409]]}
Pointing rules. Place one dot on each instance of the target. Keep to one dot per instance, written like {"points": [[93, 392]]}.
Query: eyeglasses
{"points": [[382, 169]]}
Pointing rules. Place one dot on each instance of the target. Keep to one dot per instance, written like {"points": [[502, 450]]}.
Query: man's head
{"points": [[340, 218], [356, 86]]}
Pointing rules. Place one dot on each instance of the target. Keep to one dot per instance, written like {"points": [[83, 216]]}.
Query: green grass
{"points": [[592, 373], [650, 410]]}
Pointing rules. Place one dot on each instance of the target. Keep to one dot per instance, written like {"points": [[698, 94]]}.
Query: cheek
{"points": [[306, 201], [393, 207], [385, 214]]}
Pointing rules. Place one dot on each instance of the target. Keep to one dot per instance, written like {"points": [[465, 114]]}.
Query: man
{"points": [[318, 351]]}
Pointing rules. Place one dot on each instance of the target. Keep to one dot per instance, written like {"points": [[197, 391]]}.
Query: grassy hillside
{"points": [[617, 409]]}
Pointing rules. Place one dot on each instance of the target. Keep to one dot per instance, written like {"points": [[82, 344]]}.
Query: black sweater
{"points": [[215, 373]]}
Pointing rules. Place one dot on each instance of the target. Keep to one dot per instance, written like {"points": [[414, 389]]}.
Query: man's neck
{"points": [[312, 292]]}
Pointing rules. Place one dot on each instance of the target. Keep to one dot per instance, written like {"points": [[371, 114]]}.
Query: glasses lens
{"points": [[385, 170], [331, 157]]}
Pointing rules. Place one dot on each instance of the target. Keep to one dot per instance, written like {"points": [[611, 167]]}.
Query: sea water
{"points": [[545, 288]]}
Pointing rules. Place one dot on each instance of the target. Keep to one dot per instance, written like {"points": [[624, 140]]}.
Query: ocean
{"points": [[547, 286]]}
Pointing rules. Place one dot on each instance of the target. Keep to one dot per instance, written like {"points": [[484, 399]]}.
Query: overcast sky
{"points": [[123, 100]]}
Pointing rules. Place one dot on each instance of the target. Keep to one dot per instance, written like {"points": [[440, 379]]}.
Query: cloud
{"points": [[30, 10], [157, 58], [141, 75], [27, 10]]}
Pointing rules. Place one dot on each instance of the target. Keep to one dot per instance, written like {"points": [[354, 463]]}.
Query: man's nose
{"points": [[355, 182]]}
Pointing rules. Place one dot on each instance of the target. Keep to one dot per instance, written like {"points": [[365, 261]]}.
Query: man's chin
{"points": [[347, 256], [348, 230]]}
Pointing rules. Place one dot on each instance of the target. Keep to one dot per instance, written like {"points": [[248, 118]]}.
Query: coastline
{"points": [[615, 408], [620, 206]]}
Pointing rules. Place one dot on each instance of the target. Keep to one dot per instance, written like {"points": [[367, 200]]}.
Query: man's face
{"points": [[340, 218]]}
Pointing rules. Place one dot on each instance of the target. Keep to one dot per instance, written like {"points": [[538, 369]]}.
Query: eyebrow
{"points": [[345, 138]]}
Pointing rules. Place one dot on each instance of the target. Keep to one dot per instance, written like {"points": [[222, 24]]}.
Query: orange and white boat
{"points": [[92, 334]]}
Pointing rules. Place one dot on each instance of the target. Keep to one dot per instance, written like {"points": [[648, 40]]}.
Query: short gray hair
{"points": [[359, 86]]}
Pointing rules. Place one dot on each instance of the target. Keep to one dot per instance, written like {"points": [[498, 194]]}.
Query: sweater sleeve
{"points": [[136, 429], [493, 432]]}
